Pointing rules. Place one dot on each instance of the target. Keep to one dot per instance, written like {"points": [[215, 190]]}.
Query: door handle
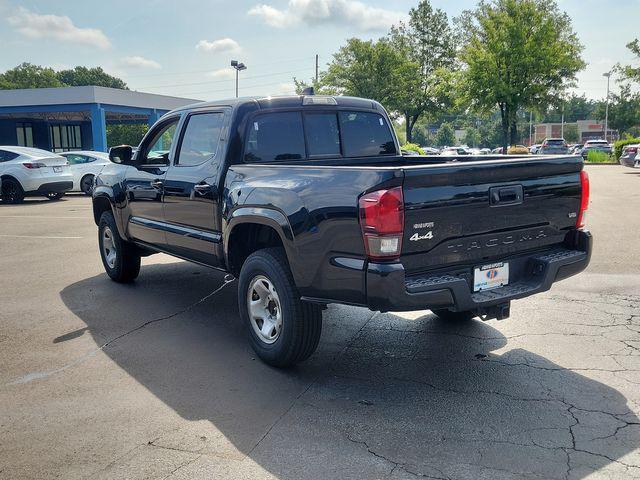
{"points": [[157, 183], [511, 195], [202, 188]]}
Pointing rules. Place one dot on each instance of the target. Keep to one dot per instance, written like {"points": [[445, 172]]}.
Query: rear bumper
{"points": [[389, 289], [629, 161], [56, 187]]}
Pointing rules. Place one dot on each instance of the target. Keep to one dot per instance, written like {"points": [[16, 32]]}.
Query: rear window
{"points": [[281, 135], [275, 136], [555, 142], [365, 134]]}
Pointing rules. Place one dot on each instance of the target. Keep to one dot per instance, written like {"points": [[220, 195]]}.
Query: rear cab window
{"points": [[296, 135]]}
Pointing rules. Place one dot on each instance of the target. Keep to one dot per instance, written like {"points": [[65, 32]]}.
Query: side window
{"points": [[201, 138], [275, 136], [76, 159], [365, 134], [323, 134], [157, 148], [6, 156]]}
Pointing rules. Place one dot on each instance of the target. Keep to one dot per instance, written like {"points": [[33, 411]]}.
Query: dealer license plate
{"points": [[57, 169], [490, 276]]}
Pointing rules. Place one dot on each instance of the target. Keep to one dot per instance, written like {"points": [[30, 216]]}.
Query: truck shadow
{"points": [[382, 396]]}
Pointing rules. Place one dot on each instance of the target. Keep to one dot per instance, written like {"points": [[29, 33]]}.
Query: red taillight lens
{"points": [[382, 223], [584, 200], [632, 150], [31, 165]]}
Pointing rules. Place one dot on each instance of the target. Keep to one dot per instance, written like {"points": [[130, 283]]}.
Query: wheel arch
{"points": [[250, 229]]}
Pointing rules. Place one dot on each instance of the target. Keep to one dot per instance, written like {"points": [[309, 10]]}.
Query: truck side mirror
{"points": [[122, 154]]}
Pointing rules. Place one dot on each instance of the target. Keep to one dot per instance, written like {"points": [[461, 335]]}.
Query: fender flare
{"points": [[263, 216]]}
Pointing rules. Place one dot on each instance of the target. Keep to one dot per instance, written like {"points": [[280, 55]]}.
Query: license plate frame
{"points": [[57, 169], [490, 276]]}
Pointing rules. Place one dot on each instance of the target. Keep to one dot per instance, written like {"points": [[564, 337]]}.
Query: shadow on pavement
{"points": [[383, 396]]}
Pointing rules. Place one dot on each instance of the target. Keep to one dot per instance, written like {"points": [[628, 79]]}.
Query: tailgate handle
{"points": [[512, 195]]}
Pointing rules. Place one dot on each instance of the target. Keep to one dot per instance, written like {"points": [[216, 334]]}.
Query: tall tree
{"points": [[27, 75], [96, 76], [446, 135], [428, 41], [630, 72], [518, 54]]}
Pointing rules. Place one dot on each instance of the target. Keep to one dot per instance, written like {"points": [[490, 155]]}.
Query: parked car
{"points": [[597, 145], [307, 201], [497, 150], [533, 149], [29, 172], [84, 166], [517, 150], [553, 146], [431, 151], [576, 149], [630, 157], [455, 151]]}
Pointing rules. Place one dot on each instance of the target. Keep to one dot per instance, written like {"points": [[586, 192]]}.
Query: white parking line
{"points": [[40, 237]]}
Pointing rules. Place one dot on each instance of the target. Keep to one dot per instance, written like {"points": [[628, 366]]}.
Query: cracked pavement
{"points": [[156, 380]]}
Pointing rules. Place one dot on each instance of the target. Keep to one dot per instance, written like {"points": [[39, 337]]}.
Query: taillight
{"points": [[584, 200], [632, 150], [31, 165], [382, 223]]}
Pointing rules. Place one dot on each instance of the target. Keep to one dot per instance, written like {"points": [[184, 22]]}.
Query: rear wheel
{"points": [[55, 195], [120, 258], [12, 191], [283, 330], [86, 184], [451, 316]]}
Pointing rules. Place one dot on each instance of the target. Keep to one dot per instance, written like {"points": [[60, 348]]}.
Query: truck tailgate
{"points": [[478, 211]]}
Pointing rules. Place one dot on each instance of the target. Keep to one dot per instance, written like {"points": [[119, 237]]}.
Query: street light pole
{"points": [[606, 110], [238, 66]]}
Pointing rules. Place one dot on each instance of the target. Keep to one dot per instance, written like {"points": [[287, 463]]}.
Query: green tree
{"points": [[427, 40], [446, 135], [118, 134], [367, 69], [518, 54], [27, 75], [624, 110], [576, 107], [472, 137], [630, 72], [571, 134], [80, 76]]}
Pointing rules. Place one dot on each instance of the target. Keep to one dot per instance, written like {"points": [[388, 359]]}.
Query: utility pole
{"points": [[316, 68], [530, 129], [606, 110], [562, 121]]}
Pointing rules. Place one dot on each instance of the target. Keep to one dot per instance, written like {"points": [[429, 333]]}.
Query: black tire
{"points": [[53, 196], [450, 316], [301, 323], [12, 191], [125, 266], [86, 184]]}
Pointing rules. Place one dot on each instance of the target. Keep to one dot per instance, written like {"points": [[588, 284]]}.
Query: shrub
{"points": [[598, 157], [414, 147], [620, 144]]}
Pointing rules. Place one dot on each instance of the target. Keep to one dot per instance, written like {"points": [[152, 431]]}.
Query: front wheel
{"points": [[450, 316], [120, 258], [12, 191], [86, 184], [282, 329]]}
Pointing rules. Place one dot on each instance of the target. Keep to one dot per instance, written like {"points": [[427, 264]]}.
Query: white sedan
{"points": [[85, 166], [33, 172]]}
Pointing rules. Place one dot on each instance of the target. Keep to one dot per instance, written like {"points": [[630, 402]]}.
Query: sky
{"points": [[183, 48]]}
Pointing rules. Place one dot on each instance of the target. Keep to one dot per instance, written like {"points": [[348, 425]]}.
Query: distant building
{"points": [[587, 130], [75, 118]]}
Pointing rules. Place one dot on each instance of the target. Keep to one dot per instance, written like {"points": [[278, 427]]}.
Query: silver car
{"points": [[630, 157], [553, 146]]}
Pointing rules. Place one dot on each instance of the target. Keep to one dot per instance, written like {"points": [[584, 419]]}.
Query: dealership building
{"points": [[75, 118], [586, 130]]}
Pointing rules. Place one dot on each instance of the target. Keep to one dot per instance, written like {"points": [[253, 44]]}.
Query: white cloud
{"points": [[219, 46], [223, 73], [34, 25], [287, 89], [318, 12], [136, 61]]}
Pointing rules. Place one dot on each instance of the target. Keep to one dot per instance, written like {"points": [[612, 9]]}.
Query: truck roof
{"points": [[283, 101]]}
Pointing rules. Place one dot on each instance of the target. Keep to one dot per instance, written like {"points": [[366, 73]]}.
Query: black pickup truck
{"points": [[307, 201]]}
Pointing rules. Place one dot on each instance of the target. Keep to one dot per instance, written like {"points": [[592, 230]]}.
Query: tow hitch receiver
{"points": [[499, 312]]}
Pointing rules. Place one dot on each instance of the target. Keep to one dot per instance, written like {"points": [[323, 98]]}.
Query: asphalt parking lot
{"points": [[156, 380]]}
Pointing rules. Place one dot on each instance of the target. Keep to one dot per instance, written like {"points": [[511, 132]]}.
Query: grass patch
{"points": [[599, 157]]}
